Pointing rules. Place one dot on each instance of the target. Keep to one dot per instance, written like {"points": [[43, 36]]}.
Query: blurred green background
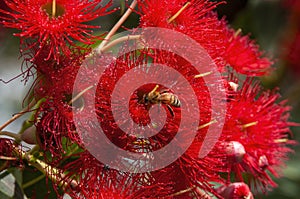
{"points": [[272, 23]]}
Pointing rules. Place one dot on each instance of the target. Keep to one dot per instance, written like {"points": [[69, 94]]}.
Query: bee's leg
{"points": [[171, 110], [140, 100], [135, 98], [154, 89]]}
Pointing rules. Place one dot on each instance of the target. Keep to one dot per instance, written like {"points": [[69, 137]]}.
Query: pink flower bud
{"points": [[235, 151], [29, 135], [237, 190]]}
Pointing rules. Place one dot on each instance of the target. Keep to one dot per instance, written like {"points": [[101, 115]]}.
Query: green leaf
{"points": [[29, 122], [18, 174], [10, 184], [18, 192], [7, 186], [3, 196], [122, 6]]}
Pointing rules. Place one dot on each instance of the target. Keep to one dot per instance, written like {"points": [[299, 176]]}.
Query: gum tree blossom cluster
{"points": [[56, 37]]}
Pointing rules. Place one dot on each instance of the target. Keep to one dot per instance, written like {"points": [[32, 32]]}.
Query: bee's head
{"points": [[145, 99]]}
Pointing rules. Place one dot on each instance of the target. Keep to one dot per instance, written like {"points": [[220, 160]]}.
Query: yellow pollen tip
{"points": [[237, 33], [53, 8], [283, 140], [203, 74], [179, 12], [249, 124], [207, 124]]}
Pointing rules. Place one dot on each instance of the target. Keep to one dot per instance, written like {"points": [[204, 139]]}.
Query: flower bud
{"points": [[29, 135], [235, 151], [263, 162], [235, 190], [233, 86]]}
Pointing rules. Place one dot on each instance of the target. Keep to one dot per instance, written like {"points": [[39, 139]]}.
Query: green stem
{"points": [[7, 158], [34, 149], [79, 95], [183, 191], [51, 172], [16, 116], [17, 137], [120, 40], [117, 26], [32, 182]]}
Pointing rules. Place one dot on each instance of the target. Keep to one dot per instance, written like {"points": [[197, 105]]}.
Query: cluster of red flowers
{"points": [[55, 40]]}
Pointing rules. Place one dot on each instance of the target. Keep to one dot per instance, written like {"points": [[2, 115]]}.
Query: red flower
{"points": [[56, 80], [57, 24], [54, 118], [98, 181], [186, 172], [3, 30], [54, 123], [243, 54], [8, 157], [196, 21], [256, 134], [199, 22]]}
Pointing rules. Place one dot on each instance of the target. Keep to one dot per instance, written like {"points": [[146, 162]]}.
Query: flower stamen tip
{"points": [[249, 124], [207, 124], [53, 8], [283, 140], [179, 12], [203, 74]]}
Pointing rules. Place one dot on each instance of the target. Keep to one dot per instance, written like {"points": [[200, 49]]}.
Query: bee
{"points": [[162, 97], [142, 145]]}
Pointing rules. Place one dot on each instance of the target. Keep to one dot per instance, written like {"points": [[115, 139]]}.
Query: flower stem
{"points": [[202, 194], [7, 158], [183, 191], [16, 116], [53, 173], [17, 137], [34, 149], [32, 182], [119, 40], [79, 95], [117, 26]]}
